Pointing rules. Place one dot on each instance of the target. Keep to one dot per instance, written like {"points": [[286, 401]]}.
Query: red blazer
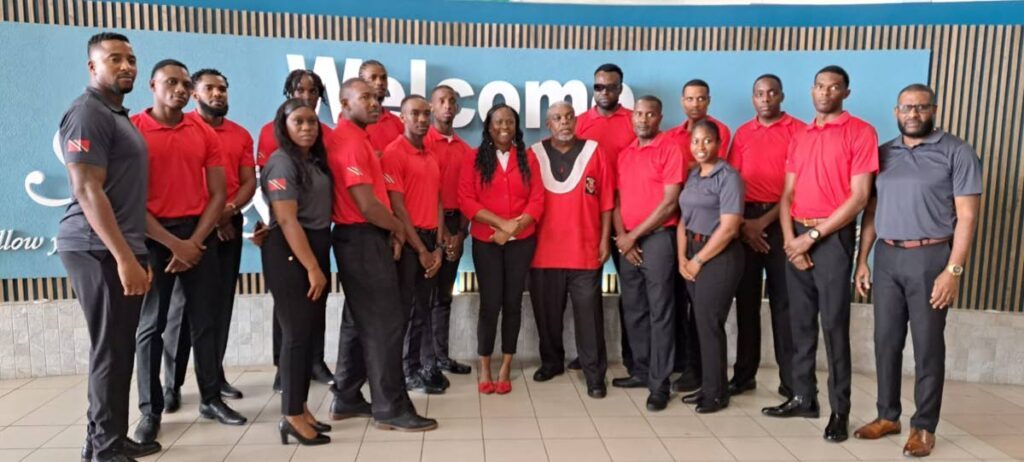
{"points": [[506, 195]]}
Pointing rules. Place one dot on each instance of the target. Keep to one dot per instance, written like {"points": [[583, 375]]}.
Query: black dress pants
{"points": [[711, 298], [200, 284], [501, 271], [648, 295], [299, 316], [823, 290], [627, 354], [373, 319], [435, 345], [416, 292], [904, 279], [549, 290], [748, 305], [688, 357], [111, 318]]}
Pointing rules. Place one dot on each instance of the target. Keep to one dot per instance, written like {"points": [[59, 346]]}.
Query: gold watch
{"points": [[955, 270]]}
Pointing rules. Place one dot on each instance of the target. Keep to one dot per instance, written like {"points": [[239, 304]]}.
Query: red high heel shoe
{"points": [[486, 387], [503, 387]]}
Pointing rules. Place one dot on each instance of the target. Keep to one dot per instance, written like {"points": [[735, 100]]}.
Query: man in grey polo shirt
{"points": [[101, 239], [923, 215]]}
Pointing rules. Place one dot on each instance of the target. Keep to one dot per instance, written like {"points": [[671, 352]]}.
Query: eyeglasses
{"points": [[600, 87], [921, 108]]}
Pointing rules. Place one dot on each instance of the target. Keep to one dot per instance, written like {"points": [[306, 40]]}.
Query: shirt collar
{"points": [[99, 96], [685, 126], [621, 111], [434, 135], [408, 147], [151, 124], [838, 121], [350, 128], [934, 137], [656, 142], [784, 121], [714, 171]]}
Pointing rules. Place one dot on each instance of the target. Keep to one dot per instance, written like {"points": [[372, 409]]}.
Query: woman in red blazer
{"points": [[500, 190]]}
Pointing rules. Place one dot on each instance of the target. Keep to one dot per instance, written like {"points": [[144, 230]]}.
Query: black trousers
{"points": [[904, 279], [627, 353], [823, 290], [200, 284], [501, 272], [177, 344], [711, 298], [317, 350], [111, 318], [373, 321], [549, 290], [688, 358], [299, 316], [649, 305], [435, 345], [416, 292], [748, 305]]}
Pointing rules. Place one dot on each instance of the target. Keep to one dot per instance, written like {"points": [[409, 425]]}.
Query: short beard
{"points": [[117, 90], [926, 128], [212, 111], [609, 105]]}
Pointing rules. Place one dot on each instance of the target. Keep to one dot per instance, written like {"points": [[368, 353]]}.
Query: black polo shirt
{"points": [[916, 186], [96, 133], [706, 198]]}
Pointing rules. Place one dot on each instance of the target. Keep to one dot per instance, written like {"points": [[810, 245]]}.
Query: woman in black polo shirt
{"points": [[296, 256], [710, 256]]}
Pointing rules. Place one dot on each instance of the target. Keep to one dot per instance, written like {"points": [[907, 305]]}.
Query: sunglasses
{"points": [[600, 87]]}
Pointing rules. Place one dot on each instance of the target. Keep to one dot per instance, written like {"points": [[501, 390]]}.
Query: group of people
{"points": [[691, 220]]}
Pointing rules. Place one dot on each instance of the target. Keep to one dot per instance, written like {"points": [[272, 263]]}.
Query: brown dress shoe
{"points": [[877, 429], [920, 443]]}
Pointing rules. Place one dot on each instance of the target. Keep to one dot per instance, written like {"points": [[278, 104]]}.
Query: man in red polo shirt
{"points": [[413, 179], [572, 246], [759, 154], [445, 144], [389, 127], [185, 201], [829, 172], [211, 96], [611, 125], [367, 239], [646, 214]]}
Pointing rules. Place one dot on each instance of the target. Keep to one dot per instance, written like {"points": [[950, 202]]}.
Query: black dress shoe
{"points": [[797, 406], [597, 391], [544, 374], [118, 457], [657, 402], [277, 382], [229, 392], [217, 410], [320, 427], [785, 391], [128, 448], [410, 422], [689, 381], [838, 429], [708, 406], [736, 388], [416, 382], [172, 400], [322, 374], [341, 410], [575, 365], [434, 377], [147, 429], [453, 366], [629, 382], [693, 398], [286, 429]]}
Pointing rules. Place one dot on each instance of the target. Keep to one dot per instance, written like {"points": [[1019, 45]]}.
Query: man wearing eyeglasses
{"points": [[924, 216]]}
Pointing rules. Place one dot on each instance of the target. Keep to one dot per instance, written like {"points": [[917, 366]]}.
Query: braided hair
{"points": [[486, 153]]}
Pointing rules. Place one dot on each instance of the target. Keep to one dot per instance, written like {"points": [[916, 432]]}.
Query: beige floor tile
{"points": [[1011, 445], [637, 450], [27, 437], [548, 407], [169, 432], [678, 426], [262, 453], [623, 427], [14, 455], [63, 382], [348, 429], [70, 437], [515, 451], [980, 424], [757, 449], [470, 428], [390, 451], [576, 450], [195, 453], [343, 451], [975, 446], [447, 406], [815, 448], [64, 409], [707, 449], [52, 454], [788, 427], [374, 434], [11, 384], [733, 426], [566, 427], [21, 402], [211, 434], [612, 406], [874, 450], [506, 406], [261, 433], [510, 428], [453, 451]]}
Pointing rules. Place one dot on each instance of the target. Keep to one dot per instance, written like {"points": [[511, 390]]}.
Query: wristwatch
{"points": [[814, 234], [955, 270]]}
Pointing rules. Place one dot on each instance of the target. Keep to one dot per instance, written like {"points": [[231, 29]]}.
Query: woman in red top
{"points": [[500, 190]]}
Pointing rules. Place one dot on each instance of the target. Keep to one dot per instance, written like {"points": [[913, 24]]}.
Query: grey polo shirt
{"points": [[96, 133], [916, 186], [705, 198], [279, 181]]}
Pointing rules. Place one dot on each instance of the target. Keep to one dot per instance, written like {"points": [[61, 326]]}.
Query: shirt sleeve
{"points": [[725, 134], [279, 179], [394, 179], [86, 135], [469, 188], [734, 156], [349, 161], [730, 198], [266, 145], [865, 151], [966, 172], [606, 183], [672, 169], [535, 201], [791, 160]]}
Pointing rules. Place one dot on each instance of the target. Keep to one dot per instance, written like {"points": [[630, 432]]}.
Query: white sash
{"points": [[563, 187]]}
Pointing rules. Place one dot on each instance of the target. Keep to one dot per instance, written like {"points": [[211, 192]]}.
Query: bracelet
{"points": [[700, 261]]}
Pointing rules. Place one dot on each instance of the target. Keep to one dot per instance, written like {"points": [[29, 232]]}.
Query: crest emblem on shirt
{"points": [[277, 184], [591, 185], [354, 170], [77, 145], [388, 179]]}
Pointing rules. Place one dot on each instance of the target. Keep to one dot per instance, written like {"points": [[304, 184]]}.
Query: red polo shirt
{"points": [[268, 142], [449, 154], [613, 133], [569, 235], [681, 136], [385, 130], [236, 147], [178, 158], [643, 174], [758, 152], [825, 158], [506, 195], [416, 174], [353, 162]]}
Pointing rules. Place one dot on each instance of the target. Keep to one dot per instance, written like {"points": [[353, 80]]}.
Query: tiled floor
{"points": [[43, 420]]}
